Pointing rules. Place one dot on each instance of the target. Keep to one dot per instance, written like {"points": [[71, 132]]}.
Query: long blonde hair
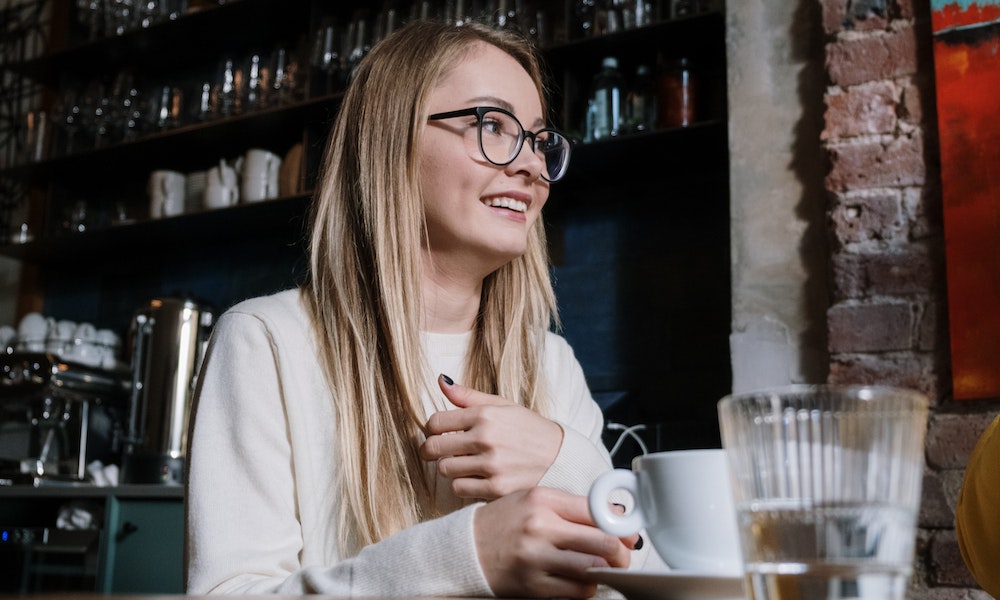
{"points": [[363, 293]]}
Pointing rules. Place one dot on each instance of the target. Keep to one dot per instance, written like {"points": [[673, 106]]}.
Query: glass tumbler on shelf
{"points": [[826, 483], [256, 84], [283, 78], [328, 58]]}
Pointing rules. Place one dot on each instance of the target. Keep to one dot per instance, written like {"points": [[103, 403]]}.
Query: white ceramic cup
{"points": [[166, 194], [31, 332], [107, 344], [60, 337], [217, 195], [260, 175], [85, 349], [684, 501]]}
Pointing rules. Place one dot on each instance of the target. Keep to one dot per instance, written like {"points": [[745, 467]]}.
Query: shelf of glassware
{"points": [[171, 44], [279, 126]]}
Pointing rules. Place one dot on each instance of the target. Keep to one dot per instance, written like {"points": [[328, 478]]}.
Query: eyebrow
{"points": [[501, 103]]}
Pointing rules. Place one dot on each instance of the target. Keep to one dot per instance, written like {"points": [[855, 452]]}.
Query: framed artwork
{"points": [[967, 69]]}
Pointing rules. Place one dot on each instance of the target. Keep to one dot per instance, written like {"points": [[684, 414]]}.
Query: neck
{"points": [[450, 298]]}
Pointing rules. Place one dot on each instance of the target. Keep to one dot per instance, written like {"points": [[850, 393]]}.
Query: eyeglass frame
{"points": [[480, 111]]}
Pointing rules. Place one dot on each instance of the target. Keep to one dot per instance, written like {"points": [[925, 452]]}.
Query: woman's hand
{"points": [[540, 543], [489, 447]]}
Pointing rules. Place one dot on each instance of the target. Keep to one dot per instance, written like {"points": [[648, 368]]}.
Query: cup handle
{"points": [[600, 507]]}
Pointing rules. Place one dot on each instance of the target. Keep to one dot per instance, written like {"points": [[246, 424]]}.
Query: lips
{"points": [[506, 202]]}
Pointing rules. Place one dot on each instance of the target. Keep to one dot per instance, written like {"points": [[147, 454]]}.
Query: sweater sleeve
{"points": [[977, 520], [251, 474], [583, 456]]}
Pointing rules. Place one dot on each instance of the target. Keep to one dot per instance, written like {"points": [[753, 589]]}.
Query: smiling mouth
{"points": [[508, 203]]}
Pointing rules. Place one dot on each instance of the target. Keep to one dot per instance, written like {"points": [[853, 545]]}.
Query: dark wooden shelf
{"points": [[596, 168], [278, 219], [696, 35], [651, 156]]}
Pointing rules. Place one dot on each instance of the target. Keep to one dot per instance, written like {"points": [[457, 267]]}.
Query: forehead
{"points": [[483, 72]]}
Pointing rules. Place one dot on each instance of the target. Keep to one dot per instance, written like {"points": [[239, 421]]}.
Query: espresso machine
{"points": [[168, 338], [57, 416]]}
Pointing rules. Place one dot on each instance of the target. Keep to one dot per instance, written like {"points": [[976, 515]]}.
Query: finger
{"points": [[601, 549], [633, 541], [445, 421], [466, 397], [577, 532], [449, 443], [576, 510]]}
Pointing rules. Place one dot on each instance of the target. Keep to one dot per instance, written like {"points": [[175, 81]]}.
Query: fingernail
{"points": [[447, 380], [638, 544]]}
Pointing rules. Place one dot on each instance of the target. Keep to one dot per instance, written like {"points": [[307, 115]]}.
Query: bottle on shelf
{"points": [[605, 112], [678, 94], [641, 105]]}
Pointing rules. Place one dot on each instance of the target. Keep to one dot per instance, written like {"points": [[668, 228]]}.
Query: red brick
{"points": [[904, 369], [903, 9], [834, 15], [935, 512], [874, 164], [923, 211], [876, 216], [911, 107], [870, 327], [932, 331], [866, 109], [952, 436], [903, 273], [946, 565], [852, 60]]}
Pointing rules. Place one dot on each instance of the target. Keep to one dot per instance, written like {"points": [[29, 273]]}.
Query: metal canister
{"points": [[168, 336]]}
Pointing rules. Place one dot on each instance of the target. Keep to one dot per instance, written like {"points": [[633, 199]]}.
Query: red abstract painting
{"points": [[967, 68]]}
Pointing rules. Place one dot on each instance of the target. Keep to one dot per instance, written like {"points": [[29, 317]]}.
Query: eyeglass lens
{"points": [[501, 139]]}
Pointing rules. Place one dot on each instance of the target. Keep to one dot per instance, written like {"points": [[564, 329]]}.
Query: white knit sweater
{"points": [[262, 459]]}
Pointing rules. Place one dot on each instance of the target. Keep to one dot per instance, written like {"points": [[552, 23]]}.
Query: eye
{"points": [[547, 140], [492, 124]]}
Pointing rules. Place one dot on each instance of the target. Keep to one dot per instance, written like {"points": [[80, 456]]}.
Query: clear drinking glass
{"points": [[826, 483]]}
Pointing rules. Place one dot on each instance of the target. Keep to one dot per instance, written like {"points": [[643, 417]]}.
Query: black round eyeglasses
{"points": [[499, 138]]}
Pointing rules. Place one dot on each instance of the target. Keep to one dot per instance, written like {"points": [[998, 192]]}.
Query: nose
{"points": [[527, 160]]}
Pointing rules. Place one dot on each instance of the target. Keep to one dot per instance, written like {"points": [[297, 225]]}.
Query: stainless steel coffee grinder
{"points": [[169, 337]]}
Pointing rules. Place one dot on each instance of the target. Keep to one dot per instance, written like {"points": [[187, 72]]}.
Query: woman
{"points": [[405, 424]]}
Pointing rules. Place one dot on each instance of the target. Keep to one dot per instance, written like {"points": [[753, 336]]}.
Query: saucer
{"points": [[670, 585]]}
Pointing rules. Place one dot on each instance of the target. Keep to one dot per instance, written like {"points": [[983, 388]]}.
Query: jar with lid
{"points": [[677, 96]]}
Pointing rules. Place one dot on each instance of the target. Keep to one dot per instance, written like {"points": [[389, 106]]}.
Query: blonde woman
{"points": [[405, 424]]}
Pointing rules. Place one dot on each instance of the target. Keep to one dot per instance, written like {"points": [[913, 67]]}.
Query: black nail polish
{"points": [[638, 544], [447, 379]]}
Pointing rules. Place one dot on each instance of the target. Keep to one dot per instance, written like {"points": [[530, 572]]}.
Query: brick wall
{"points": [[888, 321]]}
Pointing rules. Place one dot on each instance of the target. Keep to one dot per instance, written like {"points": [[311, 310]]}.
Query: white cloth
{"points": [[262, 459]]}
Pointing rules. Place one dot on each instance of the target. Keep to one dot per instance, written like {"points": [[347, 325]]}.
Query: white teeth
{"points": [[509, 203]]}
